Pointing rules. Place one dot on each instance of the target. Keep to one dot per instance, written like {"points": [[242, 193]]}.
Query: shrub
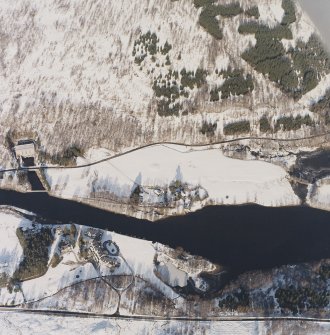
{"points": [[237, 128]]}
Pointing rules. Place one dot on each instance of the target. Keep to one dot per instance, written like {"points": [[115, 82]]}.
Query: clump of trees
{"points": [[193, 79], [22, 177], [207, 18], [65, 158], [135, 195], [289, 12], [208, 128], [56, 259], [322, 107], [35, 245], [148, 44], [253, 12], [9, 142], [324, 271], [166, 108], [311, 60], [288, 123], [297, 71], [323, 104], [239, 127], [173, 85], [297, 299], [264, 125], [252, 27], [235, 84], [209, 22], [4, 278]]}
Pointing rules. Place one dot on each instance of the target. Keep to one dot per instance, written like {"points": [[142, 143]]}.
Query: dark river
{"points": [[240, 237]]}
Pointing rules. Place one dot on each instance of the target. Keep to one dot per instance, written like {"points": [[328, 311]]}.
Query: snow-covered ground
{"points": [[226, 180], [12, 323]]}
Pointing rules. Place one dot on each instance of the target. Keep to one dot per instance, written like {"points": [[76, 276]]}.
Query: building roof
{"points": [[27, 146]]}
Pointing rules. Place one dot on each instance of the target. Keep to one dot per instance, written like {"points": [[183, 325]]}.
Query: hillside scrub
{"points": [[239, 127]]}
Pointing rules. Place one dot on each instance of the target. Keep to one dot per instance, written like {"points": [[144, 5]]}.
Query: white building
{"points": [[25, 150]]}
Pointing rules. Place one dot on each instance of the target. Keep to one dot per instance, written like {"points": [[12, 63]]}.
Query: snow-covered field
{"points": [[226, 180], [12, 323]]}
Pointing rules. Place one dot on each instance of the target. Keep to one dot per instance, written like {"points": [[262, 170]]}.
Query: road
{"points": [[161, 318], [35, 168]]}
